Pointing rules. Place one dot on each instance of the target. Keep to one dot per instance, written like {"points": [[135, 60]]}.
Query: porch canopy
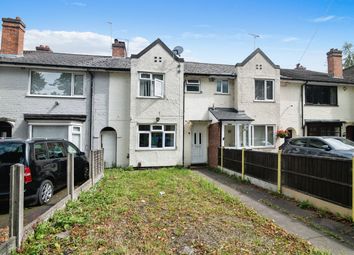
{"points": [[235, 126], [229, 114]]}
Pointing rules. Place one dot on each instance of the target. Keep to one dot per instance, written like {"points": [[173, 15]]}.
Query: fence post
{"points": [[16, 202], [243, 163], [91, 167], [279, 171], [70, 174], [222, 158], [353, 189]]}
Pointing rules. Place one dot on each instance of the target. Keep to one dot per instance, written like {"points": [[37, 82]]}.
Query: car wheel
{"points": [[45, 192]]}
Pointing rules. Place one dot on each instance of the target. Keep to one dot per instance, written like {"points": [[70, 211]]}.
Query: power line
{"points": [[314, 33]]}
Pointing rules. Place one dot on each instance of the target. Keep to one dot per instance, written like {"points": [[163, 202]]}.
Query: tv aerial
{"points": [[177, 50]]}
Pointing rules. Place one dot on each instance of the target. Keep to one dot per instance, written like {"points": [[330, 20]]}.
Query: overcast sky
{"points": [[209, 31]]}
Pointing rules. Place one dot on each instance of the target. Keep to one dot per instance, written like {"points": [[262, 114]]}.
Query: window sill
{"points": [[328, 105], [156, 149], [193, 92], [222, 94], [264, 101], [142, 97], [56, 96]]}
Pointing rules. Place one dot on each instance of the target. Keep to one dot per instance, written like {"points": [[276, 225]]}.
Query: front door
{"points": [[199, 144]]}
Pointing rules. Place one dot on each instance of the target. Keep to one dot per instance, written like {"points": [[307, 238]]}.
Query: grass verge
{"points": [[166, 211]]}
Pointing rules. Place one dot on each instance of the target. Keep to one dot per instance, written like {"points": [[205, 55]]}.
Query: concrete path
{"points": [[291, 225]]}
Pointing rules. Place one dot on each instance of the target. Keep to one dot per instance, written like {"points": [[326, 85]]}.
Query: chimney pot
{"points": [[118, 49], [43, 48], [334, 60], [12, 40]]}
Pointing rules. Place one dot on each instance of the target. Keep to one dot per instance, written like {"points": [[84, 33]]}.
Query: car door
{"points": [[45, 168], [316, 147], [78, 160], [57, 155], [296, 146]]}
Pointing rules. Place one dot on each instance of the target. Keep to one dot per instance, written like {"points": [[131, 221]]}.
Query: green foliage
{"points": [[305, 204], [348, 55]]}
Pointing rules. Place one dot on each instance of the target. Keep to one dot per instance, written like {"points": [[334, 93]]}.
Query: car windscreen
{"points": [[337, 144], [346, 141], [12, 152]]}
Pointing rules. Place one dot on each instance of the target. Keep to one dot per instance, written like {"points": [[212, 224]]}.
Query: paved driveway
{"points": [[30, 213]]}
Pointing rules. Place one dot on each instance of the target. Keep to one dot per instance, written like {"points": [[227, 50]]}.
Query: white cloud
{"points": [[197, 35], [78, 4], [323, 19], [290, 39], [78, 42]]}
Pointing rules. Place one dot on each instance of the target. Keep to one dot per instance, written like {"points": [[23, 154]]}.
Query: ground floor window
{"points": [[243, 135], [263, 135], [156, 136], [324, 129], [68, 131]]}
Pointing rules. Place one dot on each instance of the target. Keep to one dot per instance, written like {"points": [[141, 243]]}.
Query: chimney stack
{"points": [[12, 40], [44, 48], [118, 49], [335, 67]]}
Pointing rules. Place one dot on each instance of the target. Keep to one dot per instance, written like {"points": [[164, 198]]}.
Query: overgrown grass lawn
{"points": [[166, 211]]}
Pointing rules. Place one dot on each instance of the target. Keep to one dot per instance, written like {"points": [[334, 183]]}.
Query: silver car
{"points": [[325, 146]]}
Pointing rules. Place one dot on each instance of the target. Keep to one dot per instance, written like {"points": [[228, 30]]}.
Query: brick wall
{"points": [[12, 40], [214, 144]]}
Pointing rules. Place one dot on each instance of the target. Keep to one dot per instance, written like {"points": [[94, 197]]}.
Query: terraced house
{"points": [[155, 109]]}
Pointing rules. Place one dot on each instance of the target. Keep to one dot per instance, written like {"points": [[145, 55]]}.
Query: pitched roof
{"points": [[163, 45], [40, 58], [208, 69], [229, 114], [307, 75], [349, 72], [254, 53]]}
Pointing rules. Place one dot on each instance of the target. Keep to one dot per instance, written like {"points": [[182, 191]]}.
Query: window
{"points": [[56, 84], [222, 86], [263, 135], [324, 129], [56, 150], [151, 85], [320, 95], [264, 90], [316, 144], [40, 151], [72, 149], [299, 142], [156, 136], [192, 86]]}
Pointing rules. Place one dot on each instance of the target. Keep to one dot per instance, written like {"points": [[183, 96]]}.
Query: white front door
{"points": [[109, 144], [199, 144]]}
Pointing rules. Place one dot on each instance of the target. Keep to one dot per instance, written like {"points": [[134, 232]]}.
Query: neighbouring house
{"points": [[155, 109]]}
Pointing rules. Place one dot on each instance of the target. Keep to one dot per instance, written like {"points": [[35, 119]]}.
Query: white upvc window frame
{"points": [[72, 86], [153, 83], [266, 135], [163, 131], [192, 82], [70, 125], [222, 87], [265, 90], [246, 139]]}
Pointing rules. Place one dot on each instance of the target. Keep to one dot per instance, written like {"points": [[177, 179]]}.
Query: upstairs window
{"points": [[264, 90], [151, 85], [321, 95], [56, 84], [192, 86], [222, 86]]}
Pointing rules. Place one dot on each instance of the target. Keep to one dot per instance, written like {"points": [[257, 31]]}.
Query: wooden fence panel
{"points": [[261, 165], [232, 159], [326, 178]]}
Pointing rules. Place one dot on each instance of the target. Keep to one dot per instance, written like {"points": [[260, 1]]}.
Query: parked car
{"points": [[45, 162], [319, 146]]}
